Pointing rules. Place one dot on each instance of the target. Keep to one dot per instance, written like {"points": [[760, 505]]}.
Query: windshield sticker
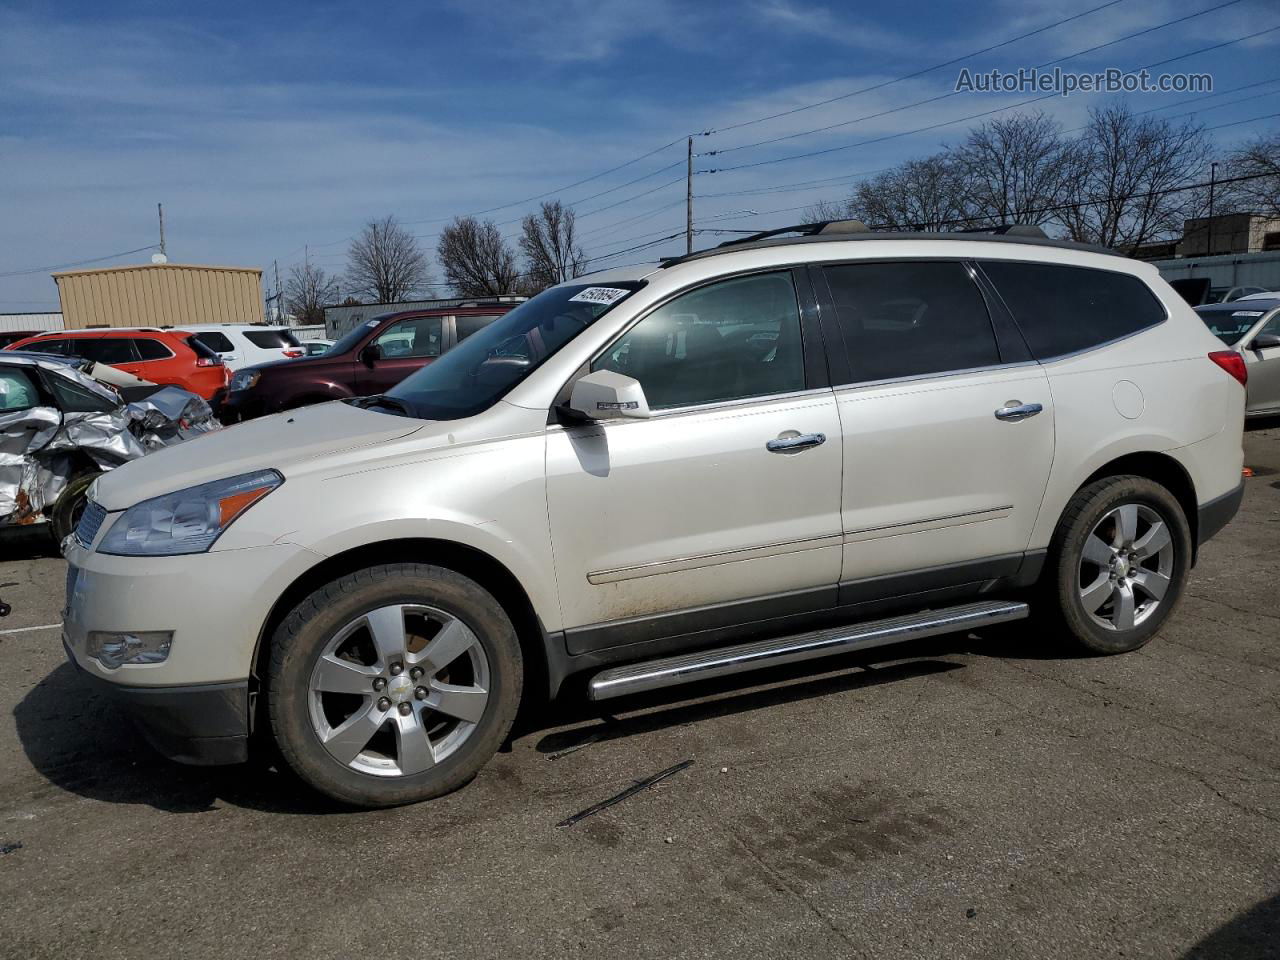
{"points": [[602, 295], [372, 323], [1248, 313]]}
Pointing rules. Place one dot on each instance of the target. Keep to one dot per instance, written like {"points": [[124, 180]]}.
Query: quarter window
{"points": [[149, 349], [731, 340], [415, 337], [911, 319], [215, 340], [1062, 309]]}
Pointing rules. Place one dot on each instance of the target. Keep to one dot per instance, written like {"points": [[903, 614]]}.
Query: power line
{"points": [[956, 93], [1236, 123], [973, 116], [917, 73], [75, 263]]}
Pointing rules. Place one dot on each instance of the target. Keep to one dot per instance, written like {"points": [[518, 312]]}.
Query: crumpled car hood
{"points": [[278, 442]]}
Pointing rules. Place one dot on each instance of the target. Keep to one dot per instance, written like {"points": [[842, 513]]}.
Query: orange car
{"points": [[161, 356]]}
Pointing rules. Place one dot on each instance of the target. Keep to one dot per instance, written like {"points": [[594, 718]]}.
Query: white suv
{"points": [[769, 451], [243, 345]]}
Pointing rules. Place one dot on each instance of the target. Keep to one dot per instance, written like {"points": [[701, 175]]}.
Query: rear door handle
{"points": [[1014, 411], [786, 444]]}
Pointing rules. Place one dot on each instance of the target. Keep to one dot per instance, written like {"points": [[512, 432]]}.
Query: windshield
{"points": [[1230, 325], [475, 374]]}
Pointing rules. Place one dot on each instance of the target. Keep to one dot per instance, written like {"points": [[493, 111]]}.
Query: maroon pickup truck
{"points": [[371, 358]]}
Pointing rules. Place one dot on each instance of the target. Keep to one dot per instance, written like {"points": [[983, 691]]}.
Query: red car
{"points": [[161, 356]]}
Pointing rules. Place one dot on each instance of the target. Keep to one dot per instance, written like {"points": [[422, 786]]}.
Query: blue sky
{"points": [[267, 128]]}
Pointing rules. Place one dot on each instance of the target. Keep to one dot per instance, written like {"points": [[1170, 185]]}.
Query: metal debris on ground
{"points": [[10, 847], [586, 742], [631, 791]]}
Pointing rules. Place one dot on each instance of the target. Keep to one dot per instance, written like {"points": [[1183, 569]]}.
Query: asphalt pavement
{"points": [[969, 796]]}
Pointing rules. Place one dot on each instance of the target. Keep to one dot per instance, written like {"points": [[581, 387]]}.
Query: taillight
{"points": [[293, 352], [208, 361], [1233, 363]]}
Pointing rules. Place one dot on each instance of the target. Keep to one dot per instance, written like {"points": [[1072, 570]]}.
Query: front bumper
{"points": [[240, 405], [203, 724]]}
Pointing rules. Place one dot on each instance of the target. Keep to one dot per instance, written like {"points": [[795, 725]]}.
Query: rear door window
{"points": [[466, 326], [109, 350], [1062, 309], [269, 339], [911, 319]]}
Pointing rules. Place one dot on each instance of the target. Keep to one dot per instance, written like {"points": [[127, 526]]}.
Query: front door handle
{"points": [[1015, 411], [787, 444]]}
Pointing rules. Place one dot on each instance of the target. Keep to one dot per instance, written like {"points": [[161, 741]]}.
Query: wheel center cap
{"points": [[400, 689], [1122, 567]]}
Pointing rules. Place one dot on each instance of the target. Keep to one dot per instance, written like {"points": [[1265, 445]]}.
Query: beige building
{"points": [[159, 295]]}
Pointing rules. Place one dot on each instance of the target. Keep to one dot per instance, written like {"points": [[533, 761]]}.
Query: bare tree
{"points": [[825, 210], [926, 194], [385, 263], [477, 261], [307, 291], [1015, 169], [550, 247], [1126, 168], [1259, 158]]}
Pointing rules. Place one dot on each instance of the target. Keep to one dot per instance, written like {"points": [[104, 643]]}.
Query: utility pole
{"points": [[1213, 179], [275, 265], [688, 203], [160, 210]]}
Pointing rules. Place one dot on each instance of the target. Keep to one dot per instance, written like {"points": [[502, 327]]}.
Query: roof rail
{"points": [[1010, 230], [822, 227], [829, 230]]}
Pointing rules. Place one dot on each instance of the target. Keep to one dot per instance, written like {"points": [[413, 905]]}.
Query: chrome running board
{"points": [[758, 654]]}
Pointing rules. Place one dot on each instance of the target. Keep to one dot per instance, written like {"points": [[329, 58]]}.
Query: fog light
{"points": [[114, 649]]}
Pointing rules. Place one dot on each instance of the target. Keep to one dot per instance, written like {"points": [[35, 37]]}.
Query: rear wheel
{"points": [[1119, 563], [393, 684]]}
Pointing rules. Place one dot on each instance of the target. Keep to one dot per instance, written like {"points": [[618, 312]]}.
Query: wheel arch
{"points": [[1162, 469], [467, 560]]}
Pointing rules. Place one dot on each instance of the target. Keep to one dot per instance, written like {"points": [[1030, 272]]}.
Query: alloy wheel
{"points": [[1126, 566], [398, 690]]}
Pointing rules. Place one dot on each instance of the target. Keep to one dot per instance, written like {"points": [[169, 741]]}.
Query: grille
{"points": [[90, 523]]}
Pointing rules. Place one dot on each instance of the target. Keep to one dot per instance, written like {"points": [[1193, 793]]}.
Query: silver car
{"points": [[1252, 328]]}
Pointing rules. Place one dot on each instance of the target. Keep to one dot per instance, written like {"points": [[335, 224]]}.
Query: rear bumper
{"points": [[1217, 513], [203, 724]]}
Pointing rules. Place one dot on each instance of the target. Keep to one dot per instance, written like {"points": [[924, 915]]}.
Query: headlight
{"points": [[244, 379], [188, 521]]}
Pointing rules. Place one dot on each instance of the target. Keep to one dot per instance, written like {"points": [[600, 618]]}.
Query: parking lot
{"points": [[965, 797]]}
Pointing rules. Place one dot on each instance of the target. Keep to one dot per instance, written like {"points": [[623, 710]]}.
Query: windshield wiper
{"points": [[382, 400]]}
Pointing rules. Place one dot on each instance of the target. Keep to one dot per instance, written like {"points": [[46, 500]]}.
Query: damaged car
{"points": [[66, 420]]}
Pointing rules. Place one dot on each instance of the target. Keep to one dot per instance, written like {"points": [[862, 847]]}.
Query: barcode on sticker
{"points": [[603, 295]]}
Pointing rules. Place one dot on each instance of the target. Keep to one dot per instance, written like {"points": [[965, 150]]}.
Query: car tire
{"points": [[373, 718], [67, 509], [1118, 564]]}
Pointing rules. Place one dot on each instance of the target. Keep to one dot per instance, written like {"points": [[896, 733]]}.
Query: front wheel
{"points": [[68, 508], [1118, 563], [393, 684]]}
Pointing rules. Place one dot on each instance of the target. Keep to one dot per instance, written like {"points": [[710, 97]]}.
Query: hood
{"points": [[281, 441]]}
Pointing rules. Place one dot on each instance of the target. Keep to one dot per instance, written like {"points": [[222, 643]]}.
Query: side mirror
{"points": [[1264, 341], [604, 395], [370, 353]]}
